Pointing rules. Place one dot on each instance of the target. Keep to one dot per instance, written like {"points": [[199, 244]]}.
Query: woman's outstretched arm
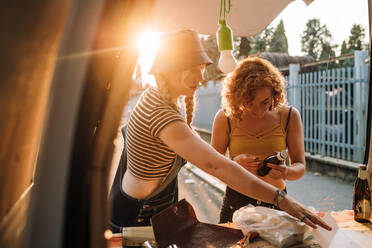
{"points": [[178, 136]]}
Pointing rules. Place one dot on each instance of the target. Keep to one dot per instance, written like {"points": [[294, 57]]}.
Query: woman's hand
{"points": [[248, 161], [297, 210], [278, 171]]}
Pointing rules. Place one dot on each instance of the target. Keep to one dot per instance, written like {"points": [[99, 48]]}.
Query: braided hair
{"points": [[189, 109], [188, 100]]}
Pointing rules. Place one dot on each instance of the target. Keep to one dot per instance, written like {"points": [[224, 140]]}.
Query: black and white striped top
{"points": [[148, 157]]}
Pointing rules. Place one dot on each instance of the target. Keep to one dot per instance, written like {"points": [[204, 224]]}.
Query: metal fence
{"points": [[333, 107], [332, 103]]}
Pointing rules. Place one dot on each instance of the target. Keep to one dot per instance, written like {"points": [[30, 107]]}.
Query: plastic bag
{"points": [[276, 227]]}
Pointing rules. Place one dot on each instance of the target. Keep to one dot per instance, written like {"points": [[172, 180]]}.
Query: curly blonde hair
{"points": [[251, 74]]}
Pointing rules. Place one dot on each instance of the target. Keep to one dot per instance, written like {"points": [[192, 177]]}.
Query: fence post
{"points": [[294, 90], [360, 103]]}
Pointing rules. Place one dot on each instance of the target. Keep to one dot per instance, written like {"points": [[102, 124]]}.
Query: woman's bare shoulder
{"points": [[220, 115], [220, 120], [285, 109], [294, 119]]}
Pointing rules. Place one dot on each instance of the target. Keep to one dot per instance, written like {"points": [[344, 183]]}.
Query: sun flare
{"points": [[148, 43]]}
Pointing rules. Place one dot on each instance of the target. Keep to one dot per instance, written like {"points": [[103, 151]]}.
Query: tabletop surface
{"points": [[344, 219]]}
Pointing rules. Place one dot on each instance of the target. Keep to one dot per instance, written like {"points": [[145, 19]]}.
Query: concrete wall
{"points": [[207, 104]]}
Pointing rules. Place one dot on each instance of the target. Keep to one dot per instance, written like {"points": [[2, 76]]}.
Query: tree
{"points": [[279, 42], [327, 52], [344, 49], [355, 42], [269, 40], [243, 47], [357, 35], [260, 43], [316, 40]]}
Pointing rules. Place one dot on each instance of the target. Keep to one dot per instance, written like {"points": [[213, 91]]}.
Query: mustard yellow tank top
{"points": [[261, 144]]}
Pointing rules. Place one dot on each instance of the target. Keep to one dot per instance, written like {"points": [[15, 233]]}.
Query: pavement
{"points": [[202, 196]]}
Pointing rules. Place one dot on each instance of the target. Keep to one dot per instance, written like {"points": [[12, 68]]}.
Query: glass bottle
{"points": [[362, 197], [277, 158]]}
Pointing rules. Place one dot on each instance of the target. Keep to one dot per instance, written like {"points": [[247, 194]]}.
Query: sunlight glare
{"points": [[148, 43]]}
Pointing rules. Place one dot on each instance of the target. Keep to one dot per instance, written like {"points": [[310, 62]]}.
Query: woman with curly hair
{"points": [[255, 122], [158, 139]]}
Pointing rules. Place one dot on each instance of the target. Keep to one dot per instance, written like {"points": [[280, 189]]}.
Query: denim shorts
{"points": [[233, 200], [127, 211]]}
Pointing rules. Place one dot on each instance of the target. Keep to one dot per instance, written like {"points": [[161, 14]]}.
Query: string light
{"points": [[227, 62]]}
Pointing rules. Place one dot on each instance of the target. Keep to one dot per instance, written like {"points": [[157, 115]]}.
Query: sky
{"points": [[337, 15]]}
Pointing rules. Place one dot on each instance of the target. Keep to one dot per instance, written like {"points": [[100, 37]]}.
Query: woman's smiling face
{"points": [[184, 83], [260, 104]]}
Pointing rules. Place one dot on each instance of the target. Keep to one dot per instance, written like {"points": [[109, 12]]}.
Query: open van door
{"points": [[66, 71], [368, 154]]}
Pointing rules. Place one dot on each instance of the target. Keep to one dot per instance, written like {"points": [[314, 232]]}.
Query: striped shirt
{"points": [[148, 157]]}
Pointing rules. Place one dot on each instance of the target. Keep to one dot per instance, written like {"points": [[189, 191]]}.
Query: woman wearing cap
{"points": [[256, 122], [158, 137]]}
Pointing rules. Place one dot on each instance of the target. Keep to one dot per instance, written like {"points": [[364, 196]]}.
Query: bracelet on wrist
{"points": [[279, 196]]}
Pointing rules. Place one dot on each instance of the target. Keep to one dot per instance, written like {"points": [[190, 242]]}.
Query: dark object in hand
{"points": [[277, 158]]}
